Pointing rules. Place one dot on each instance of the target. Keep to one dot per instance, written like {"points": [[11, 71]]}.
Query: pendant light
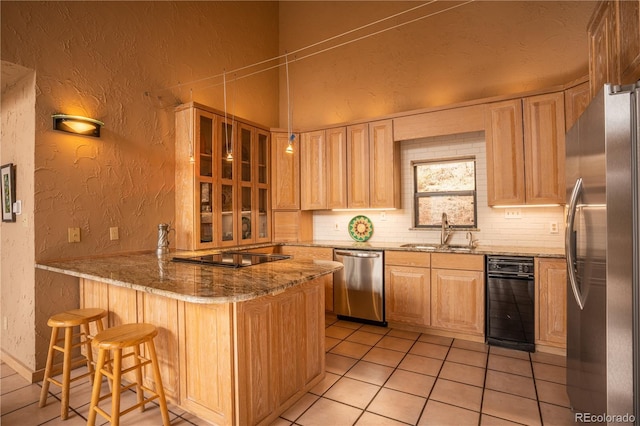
{"points": [[226, 133], [292, 137]]}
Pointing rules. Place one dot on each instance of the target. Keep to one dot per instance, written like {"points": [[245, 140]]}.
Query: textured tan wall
{"points": [[483, 49], [17, 301], [113, 61]]}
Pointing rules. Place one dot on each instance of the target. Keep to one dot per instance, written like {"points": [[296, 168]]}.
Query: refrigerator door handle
{"points": [[570, 243]]}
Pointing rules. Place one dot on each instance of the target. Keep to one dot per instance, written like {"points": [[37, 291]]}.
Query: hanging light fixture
{"points": [[292, 137], [77, 124], [226, 130]]}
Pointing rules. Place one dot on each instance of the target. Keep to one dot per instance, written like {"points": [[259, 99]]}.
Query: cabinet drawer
{"points": [[468, 262], [302, 252], [407, 258]]}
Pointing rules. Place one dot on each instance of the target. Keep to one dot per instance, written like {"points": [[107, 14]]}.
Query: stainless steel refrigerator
{"points": [[603, 259]]}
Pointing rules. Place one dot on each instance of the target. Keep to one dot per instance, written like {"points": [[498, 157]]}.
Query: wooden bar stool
{"points": [[116, 339], [68, 320]]}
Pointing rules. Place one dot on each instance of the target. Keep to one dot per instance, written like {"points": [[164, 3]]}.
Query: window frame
{"points": [[419, 195]]}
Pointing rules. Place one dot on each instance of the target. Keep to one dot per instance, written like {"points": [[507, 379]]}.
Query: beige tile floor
{"points": [[381, 376], [375, 376]]}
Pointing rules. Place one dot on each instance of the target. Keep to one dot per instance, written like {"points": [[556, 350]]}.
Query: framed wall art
{"points": [[8, 185]]}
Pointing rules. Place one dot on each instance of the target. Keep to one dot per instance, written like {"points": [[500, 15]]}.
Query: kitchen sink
{"points": [[449, 247], [457, 248], [421, 246]]}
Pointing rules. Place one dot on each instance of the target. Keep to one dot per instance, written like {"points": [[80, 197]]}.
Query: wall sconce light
{"points": [[77, 124]]}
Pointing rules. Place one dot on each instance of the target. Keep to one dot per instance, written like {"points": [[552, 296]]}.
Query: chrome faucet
{"points": [[446, 230]]}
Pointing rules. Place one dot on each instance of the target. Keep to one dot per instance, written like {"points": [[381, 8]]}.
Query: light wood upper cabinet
{"points": [[505, 153], [629, 40], [544, 149], [313, 170], [551, 302], [358, 166], [603, 61], [614, 44], [576, 100], [220, 201], [336, 168], [384, 158], [525, 150], [285, 176], [323, 173], [373, 166]]}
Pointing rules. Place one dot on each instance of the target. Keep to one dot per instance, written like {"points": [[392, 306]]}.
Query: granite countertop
{"points": [[159, 275], [486, 250]]}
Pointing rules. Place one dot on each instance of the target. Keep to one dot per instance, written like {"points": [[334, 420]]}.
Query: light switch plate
{"points": [[113, 233], [512, 214], [74, 235]]}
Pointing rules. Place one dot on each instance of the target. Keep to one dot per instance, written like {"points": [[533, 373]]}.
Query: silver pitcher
{"points": [[163, 238]]}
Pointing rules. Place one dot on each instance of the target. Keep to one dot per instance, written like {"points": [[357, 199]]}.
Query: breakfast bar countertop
{"points": [[158, 274]]}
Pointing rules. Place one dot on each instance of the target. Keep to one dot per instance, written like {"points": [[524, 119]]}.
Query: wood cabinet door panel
{"points": [[336, 168], [551, 302], [544, 155], [163, 313], [457, 300], [206, 374], [256, 363], [384, 172], [603, 58], [629, 39], [289, 359], [313, 170], [358, 166], [505, 153], [576, 100], [313, 330], [407, 293], [285, 178]]}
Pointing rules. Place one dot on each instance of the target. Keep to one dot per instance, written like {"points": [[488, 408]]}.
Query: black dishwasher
{"points": [[510, 302]]}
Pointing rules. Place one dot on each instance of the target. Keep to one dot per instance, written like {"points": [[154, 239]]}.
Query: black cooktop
{"points": [[232, 259]]}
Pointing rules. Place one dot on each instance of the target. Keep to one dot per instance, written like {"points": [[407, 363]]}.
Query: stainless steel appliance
{"points": [[603, 259], [231, 259], [358, 288], [510, 302]]}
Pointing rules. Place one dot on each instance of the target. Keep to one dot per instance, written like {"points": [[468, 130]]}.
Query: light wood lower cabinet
{"points": [[408, 288], [457, 295], [551, 302], [238, 363], [315, 253]]}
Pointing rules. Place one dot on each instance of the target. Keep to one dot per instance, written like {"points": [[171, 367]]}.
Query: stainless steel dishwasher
{"points": [[358, 288]]}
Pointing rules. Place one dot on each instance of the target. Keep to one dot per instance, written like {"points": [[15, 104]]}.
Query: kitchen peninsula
{"points": [[235, 345]]}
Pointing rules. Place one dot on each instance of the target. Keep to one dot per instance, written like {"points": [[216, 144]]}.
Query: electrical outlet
{"points": [[74, 235], [113, 233], [553, 227], [512, 214], [336, 226], [383, 216]]}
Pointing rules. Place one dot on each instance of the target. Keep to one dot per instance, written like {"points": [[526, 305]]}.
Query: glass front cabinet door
{"points": [[222, 180]]}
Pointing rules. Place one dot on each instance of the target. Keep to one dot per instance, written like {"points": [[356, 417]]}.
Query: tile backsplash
{"points": [[532, 229]]}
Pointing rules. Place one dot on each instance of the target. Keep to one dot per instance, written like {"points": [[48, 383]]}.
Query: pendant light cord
{"points": [[289, 109]]}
